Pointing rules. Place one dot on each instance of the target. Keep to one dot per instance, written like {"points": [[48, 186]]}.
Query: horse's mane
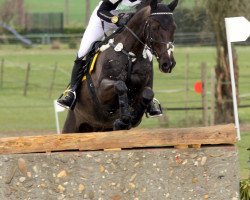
{"points": [[142, 12]]}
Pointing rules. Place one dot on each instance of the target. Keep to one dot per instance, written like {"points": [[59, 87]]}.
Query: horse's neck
{"points": [[130, 42]]}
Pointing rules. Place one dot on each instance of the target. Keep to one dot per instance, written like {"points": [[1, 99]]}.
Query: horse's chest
{"points": [[140, 71], [115, 70], [122, 70]]}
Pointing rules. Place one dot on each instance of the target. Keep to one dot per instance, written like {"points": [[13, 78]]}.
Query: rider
{"points": [[105, 18]]}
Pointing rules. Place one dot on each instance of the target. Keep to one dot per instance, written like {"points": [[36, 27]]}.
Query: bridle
{"points": [[150, 40]]}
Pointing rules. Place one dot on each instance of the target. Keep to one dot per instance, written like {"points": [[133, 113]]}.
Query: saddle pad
{"points": [[92, 66]]}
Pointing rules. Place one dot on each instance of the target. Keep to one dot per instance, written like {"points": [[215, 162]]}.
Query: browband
{"points": [[161, 13]]}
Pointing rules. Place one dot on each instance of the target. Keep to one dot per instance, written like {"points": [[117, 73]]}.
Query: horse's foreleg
{"points": [[146, 98], [110, 89], [124, 122]]}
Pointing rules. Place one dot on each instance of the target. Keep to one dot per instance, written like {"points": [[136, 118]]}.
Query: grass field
{"points": [[34, 113]]}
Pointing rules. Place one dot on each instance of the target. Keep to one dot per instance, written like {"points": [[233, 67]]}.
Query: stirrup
{"points": [[65, 94], [157, 105]]}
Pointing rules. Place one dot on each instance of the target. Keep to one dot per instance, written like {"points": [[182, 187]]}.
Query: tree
{"points": [[13, 10], [7, 12], [20, 12], [217, 11]]}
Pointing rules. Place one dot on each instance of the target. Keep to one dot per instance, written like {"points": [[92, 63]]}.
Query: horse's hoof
{"points": [[120, 125]]}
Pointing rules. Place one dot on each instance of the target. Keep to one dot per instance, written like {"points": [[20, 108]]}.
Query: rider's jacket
{"points": [[109, 8]]}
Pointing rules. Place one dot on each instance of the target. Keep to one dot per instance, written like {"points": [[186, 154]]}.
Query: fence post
{"points": [[2, 71], [66, 10], [212, 114], [187, 88], [26, 81], [87, 12], [53, 80], [204, 93]]}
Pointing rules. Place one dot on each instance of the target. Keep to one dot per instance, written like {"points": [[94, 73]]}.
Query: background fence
{"points": [[44, 22]]}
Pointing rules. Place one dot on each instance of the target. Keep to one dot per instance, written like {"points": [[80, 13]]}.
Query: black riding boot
{"points": [[68, 98], [154, 109]]}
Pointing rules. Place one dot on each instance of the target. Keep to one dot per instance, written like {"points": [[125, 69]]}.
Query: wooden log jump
{"points": [[210, 172], [179, 137]]}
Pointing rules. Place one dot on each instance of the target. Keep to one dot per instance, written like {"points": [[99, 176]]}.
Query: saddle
{"points": [[92, 55]]}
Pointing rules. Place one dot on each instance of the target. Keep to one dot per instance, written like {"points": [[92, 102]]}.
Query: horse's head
{"points": [[160, 28]]}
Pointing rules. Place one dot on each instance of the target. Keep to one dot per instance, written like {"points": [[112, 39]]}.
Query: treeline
{"points": [[192, 20]]}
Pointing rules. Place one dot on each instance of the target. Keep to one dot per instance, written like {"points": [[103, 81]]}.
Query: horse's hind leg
{"points": [[124, 122], [146, 98]]}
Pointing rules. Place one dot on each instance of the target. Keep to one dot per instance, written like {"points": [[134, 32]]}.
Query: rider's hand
{"points": [[120, 20]]}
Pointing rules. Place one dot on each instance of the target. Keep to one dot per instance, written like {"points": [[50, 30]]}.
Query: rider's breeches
{"points": [[94, 32]]}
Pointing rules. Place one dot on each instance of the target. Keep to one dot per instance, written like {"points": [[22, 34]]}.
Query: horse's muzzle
{"points": [[167, 66]]}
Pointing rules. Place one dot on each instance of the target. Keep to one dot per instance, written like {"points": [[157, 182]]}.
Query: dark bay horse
{"points": [[123, 74]]}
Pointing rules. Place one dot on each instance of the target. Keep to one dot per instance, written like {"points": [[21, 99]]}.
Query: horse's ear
{"points": [[153, 4], [173, 4]]}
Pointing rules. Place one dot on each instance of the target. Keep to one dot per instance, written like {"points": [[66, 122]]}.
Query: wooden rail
{"points": [[135, 138]]}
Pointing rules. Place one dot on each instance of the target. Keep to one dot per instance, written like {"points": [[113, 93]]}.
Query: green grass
{"points": [[244, 155], [76, 8]]}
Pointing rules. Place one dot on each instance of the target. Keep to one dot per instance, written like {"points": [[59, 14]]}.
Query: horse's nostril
{"points": [[165, 65]]}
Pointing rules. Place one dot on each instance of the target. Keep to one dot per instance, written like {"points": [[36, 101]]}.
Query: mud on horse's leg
{"points": [[146, 97], [124, 122]]}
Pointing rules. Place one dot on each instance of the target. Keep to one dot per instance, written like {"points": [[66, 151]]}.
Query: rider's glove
{"points": [[120, 20]]}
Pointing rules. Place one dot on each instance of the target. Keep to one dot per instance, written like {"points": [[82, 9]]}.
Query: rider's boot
{"points": [[68, 98], [154, 109]]}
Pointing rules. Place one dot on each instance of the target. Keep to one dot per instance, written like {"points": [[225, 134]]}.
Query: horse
{"points": [[120, 86]]}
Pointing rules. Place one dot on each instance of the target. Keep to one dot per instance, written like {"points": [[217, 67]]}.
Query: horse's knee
{"points": [[147, 96], [120, 87], [121, 125]]}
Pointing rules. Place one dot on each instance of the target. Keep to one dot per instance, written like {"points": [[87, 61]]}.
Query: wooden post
{"points": [[26, 82], [20, 12], [66, 12], [204, 94], [187, 89], [2, 71], [212, 113], [180, 137], [87, 12], [53, 80]]}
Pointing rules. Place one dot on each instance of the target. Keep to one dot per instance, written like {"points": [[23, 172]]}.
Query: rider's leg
{"points": [[68, 98], [93, 33]]}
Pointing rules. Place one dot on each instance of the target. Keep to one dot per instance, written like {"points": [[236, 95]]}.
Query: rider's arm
{"points": [[105, 8]]}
